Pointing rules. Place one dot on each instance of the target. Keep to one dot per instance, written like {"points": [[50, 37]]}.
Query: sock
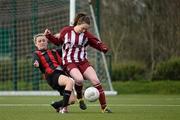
{"points": [[102, 98], [57, 104], [66, 96], [78, 91]]}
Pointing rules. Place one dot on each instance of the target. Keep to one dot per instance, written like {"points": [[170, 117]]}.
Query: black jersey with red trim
{"points": [[49, 60]]}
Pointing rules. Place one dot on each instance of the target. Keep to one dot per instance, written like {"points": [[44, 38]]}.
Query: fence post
{"points": [[14, 46], [35, 82]]}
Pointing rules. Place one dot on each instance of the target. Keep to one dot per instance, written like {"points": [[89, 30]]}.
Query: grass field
{"points": [[124, 107]]}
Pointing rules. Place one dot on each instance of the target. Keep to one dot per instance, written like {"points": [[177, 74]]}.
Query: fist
{"points": [[104, 48], [36, 64], [47, 32]]}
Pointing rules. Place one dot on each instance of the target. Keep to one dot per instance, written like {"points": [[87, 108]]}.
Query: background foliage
{"points": [[145, 31]]}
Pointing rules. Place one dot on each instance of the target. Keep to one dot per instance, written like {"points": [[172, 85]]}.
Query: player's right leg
{"points": [[77, 76]]}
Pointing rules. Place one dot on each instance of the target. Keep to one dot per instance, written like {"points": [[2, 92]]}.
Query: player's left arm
{"points": [[96, 43]]}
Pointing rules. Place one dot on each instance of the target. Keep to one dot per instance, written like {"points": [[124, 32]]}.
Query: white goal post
{"points": [[107, 78]]}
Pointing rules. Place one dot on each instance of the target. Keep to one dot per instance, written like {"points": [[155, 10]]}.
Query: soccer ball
{"points": [[91, 94]]}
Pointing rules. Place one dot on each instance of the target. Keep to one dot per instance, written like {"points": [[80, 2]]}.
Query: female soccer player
{"points": [[49, 62], [75, 40]]}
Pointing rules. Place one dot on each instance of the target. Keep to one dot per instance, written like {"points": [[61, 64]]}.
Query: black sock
{"points": [[57, 104], [66, 96], [78, 91]]}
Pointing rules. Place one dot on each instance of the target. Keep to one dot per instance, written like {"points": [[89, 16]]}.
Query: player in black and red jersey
{"points": [[49, 62]]}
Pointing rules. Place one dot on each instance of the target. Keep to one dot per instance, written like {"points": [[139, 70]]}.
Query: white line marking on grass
{"points": [[23, 105], [91, 105]]}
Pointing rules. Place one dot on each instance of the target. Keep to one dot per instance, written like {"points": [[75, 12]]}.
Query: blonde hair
{"points": [[36, 36]]}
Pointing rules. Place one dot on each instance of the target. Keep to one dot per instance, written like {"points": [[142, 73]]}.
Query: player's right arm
{"points": [[36, 63], [35, 60]]}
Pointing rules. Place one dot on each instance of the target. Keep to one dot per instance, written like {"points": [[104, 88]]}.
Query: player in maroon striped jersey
{"points": [[49, 62], [75, 40]]}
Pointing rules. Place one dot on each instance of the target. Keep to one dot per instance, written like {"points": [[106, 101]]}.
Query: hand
{"points": [[104, 48], [47, 32], [36, 63]]}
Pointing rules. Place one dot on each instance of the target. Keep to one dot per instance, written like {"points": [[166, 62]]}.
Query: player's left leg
{"points": [[91, 75], [64, 85], [68, 83], [57, 105]]}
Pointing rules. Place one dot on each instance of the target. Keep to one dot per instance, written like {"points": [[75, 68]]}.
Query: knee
{"points": [[71, 82], [79, 80]]}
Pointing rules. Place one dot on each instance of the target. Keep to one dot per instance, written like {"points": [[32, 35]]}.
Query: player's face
{"points": [[41, 42], [83, 27]]}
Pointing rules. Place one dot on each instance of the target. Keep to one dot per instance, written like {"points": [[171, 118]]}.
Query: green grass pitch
{"points": [[124, 107]]}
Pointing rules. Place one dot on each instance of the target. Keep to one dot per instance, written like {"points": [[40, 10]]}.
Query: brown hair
{"points": [[81, 18]]}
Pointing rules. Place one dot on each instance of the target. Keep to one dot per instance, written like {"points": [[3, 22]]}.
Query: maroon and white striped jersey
{"points": [[74, 45]]}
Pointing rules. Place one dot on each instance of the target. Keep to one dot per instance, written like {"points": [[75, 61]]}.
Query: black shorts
{"points": [[52, 80]]}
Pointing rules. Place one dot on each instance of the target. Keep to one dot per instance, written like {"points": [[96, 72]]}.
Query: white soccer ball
{"points": [[91, 94]]}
